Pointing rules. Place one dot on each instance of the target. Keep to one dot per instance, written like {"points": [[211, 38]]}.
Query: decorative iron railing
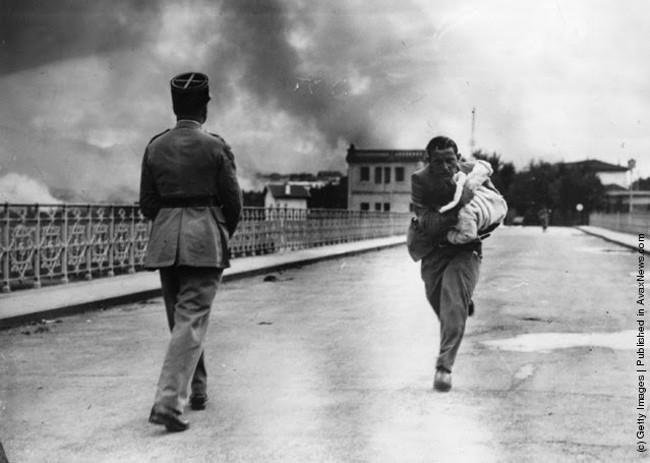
{"points": [[56, 243]]}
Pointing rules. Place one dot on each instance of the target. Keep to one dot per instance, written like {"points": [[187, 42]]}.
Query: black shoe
{"points": [[470, 310], [172, 421], [198, 401], [442, 380]]}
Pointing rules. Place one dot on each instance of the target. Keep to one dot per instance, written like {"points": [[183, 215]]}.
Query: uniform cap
{"points": [[190, 91]]}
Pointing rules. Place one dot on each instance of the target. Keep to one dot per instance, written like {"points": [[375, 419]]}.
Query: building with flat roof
{"points": [[380, 179]]}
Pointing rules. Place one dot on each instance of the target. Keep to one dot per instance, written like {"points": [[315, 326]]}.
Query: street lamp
{"points": [[631, 164], [579, 208]]}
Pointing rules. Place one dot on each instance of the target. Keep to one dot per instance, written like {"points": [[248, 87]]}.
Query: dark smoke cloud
{"points": [[37, 32], [292, 84], [256, 34], [311, 86]]}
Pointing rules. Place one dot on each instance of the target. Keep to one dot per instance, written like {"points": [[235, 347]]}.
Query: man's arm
{"points": [[229, 191], [149, 196], [431, 222]]}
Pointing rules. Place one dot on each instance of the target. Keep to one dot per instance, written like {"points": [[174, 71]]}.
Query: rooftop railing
{"points": [[43, 244]]}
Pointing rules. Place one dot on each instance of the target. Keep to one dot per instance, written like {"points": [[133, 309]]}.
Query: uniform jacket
{"points": [[429, 228], [183, 163]]}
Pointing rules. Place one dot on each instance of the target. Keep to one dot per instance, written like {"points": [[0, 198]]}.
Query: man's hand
{"points": [[467, 195]]}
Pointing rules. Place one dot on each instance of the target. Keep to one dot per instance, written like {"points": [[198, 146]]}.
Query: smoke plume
{"points": [[292, 84], [16, 188]]}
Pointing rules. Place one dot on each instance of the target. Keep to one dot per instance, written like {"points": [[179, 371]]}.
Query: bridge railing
{"points": [[42, 244], [625, 222]]}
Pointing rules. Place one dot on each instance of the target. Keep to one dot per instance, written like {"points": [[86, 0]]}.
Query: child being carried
{"points": [[487, 207]]}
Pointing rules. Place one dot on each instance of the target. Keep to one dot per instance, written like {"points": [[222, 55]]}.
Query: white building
{"points": [[609, 174], [285, 195], [380, 180]]}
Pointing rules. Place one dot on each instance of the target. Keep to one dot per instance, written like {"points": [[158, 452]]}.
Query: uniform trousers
{"points": [[450, 275], [188, 293]]}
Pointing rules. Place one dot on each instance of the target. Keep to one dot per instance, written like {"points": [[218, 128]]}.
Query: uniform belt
{"points": [[189, 201], [471, 246]]}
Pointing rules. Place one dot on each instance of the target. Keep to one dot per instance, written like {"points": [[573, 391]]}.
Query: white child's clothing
{"points": [[486, 208]]}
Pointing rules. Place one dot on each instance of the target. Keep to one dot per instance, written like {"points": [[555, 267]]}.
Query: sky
{"points": [[85, 85]]}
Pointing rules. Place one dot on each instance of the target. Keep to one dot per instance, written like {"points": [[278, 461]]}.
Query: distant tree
{"points": [[253, 198], [302, 177], [641, 184], [330, 196], [575, 186], [557, 187], [530, 190], [504, 172]]}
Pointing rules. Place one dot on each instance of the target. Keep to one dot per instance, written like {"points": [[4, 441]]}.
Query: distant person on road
{"points": [[544, 215], [189, 190], [450, 271]]}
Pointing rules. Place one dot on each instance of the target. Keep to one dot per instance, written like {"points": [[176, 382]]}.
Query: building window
{"points": [[378, 206], [399, 174], [411, 207], [386, 174], [386, 207], [378, 171], [365, 174], [365, 206]]}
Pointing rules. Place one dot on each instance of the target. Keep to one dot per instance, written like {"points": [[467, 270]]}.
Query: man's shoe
{"points": [[442, 381], [198, 401], [171, 421]]}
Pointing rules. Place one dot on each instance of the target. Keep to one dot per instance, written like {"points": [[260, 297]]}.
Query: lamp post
{"points": [[579, 208], [472, 140], [631, 164]]}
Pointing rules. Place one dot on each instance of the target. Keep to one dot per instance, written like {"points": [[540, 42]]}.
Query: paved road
{"points": [[333, 362]]}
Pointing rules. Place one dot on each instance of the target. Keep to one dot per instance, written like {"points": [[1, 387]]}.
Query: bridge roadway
{"points": [[333, 362]]}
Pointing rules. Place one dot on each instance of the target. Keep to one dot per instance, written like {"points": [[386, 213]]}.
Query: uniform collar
{"points": [[188, 124]]}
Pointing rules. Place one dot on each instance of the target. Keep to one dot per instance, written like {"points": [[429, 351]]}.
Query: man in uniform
{"points": [[189, 189], [450, 272]]}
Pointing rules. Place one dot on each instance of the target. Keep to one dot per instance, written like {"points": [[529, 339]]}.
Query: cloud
{"points": [[560, 80], [294, 82], [94, 110]]}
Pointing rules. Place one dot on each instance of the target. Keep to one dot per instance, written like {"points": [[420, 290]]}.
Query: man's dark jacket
{"points": [[425, 233]]}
